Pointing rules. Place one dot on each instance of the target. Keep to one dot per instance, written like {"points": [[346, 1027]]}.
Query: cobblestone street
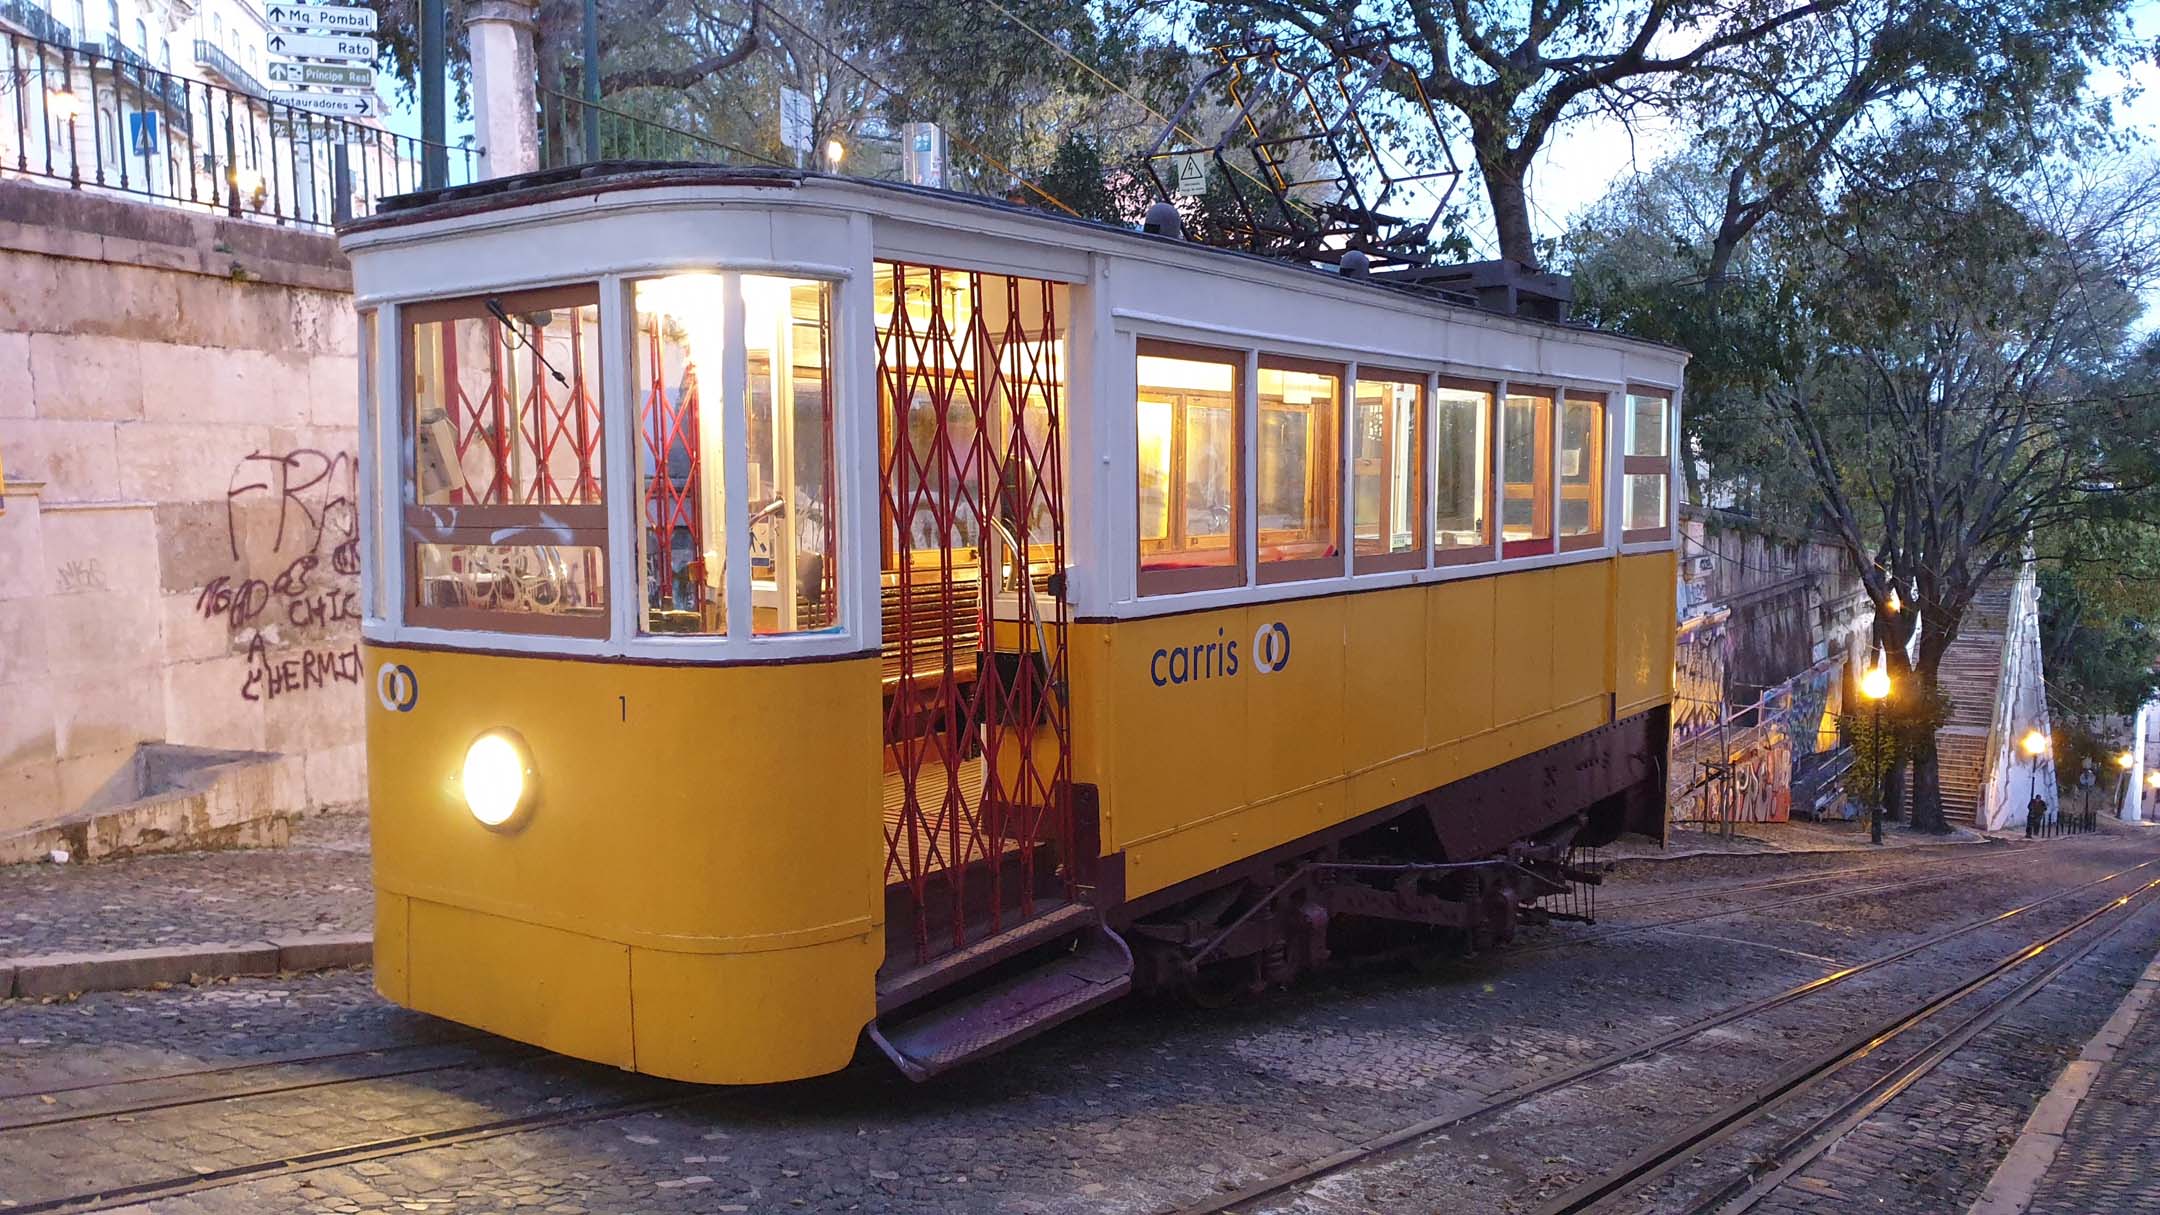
{"points": [[309, 1093]]}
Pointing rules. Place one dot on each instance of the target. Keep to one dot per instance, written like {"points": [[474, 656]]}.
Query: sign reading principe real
{"points": [[325, 75]]}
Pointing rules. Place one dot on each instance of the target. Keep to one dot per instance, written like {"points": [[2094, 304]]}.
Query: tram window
{"points": [[793, 566], [682, 530], [1190, 496], [1526, 466], [1461, 426], [1300, 487], [1582, 467], [504, 519], [1648, 465], [1387, 473]]}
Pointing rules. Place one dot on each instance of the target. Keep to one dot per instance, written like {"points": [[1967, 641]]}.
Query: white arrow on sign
{"points": [[330, 75], [323, 46], [323, 17], [343, 105]]}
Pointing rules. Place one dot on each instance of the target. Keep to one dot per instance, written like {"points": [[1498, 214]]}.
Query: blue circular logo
{"points": [[1271, 647]]}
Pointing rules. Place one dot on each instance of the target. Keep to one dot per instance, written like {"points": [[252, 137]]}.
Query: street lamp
{"points": [[2035, 745], [1875, 685], [1893, 604], [62, 103], [834, 154]]}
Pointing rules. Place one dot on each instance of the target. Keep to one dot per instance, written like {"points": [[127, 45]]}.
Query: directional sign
{"points": [[323, 46], [796, 119], [323, 17], [343, 105], [328, 75]]}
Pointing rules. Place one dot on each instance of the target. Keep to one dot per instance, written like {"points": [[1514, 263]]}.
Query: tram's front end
{"points": [[623, 754]]}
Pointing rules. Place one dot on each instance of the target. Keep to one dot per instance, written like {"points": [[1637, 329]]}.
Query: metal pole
{"points": [[592, 80], [434, 130], [1882, 781]]}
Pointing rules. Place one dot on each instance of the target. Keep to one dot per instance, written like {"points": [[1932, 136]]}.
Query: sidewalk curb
{"points": [[2010, 1191], [60, 974]]}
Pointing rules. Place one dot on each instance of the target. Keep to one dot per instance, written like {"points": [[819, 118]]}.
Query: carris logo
{"points": [[1219, 658], [397, 687], [1271, 647]]}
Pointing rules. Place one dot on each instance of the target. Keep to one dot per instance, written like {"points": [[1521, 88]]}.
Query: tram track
{"points": [[295, 1059], [1389, 1143], [1761, 1177], [2002, 852], [484, 1057]]}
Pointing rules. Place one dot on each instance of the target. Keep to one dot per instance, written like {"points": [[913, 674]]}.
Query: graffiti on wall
{"points": [[1702, 654], [291, 596], [1740, 767]]}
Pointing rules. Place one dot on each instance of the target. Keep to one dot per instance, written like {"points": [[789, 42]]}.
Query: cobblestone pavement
{"points": [[1141, 1108], [2110, 1157], [318, 883]]}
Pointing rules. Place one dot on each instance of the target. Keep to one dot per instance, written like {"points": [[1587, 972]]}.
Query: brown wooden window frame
{"points": [[1176, 581], [1318, 463], [1485, 550], [1420, 550], [1596, 486], [1543, 496], [1660, 466], [496, 525]]}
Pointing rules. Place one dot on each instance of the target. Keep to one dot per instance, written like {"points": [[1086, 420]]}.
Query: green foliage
{"points": [[2099, 607], [1875, 756]]}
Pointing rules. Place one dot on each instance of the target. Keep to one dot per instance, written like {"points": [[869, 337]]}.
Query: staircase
{"points": [[1971, 676]]}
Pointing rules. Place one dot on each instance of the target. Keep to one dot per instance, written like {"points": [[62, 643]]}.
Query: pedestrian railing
{"points": [[575, 131], [100, 117], [2066, 822]]}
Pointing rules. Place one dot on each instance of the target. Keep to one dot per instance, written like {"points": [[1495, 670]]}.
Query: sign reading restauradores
{"points": [[1221, 657], [342, 105]]}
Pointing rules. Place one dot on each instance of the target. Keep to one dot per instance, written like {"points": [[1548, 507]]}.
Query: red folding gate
{"points": [[978, 796]]}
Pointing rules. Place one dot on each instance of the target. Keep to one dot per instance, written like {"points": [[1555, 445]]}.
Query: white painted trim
{"points": [[1247, 464], [735, 454], [367, 375], [634, 268], [392, 376], [620, 440], [857, 457]]}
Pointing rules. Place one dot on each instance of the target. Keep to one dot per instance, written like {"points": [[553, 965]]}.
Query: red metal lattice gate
{"points": [[978, 750]]}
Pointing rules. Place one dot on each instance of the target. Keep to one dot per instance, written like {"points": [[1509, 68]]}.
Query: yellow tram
{"points": [[804, 609]]}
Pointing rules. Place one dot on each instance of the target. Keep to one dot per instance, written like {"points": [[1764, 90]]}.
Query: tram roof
{"points": [[603, 177]]}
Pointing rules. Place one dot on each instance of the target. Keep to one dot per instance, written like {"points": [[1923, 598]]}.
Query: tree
{"points": [[1777, 90], [1959, 390]]}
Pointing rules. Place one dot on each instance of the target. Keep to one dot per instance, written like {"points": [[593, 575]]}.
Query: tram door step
{"points": [[1010, 1008]]}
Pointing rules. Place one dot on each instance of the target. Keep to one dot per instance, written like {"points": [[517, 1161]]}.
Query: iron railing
{"points": [[210, 55], [109, 122], [622, 136], [36, 20]]}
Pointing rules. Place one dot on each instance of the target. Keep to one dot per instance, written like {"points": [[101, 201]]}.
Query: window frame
{"points": [[589, 525], [1421, 551], [1328, 563], [1488, 549], [1663, 466], [1156, 582], [1600, 485], [1544, 506]]}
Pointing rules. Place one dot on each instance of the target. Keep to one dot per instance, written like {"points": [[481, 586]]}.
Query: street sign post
{"points": [[332, 17], [341, 105], [323, 75], [323, 46]]}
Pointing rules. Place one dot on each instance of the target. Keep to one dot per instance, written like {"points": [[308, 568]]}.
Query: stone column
{"points": [[504, 80]]}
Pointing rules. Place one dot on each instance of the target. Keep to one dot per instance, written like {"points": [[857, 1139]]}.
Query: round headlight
{"points": [[498, 777]]}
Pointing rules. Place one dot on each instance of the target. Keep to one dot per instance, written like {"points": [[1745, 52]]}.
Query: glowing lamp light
{"points": [[63, 104], [834, 153], [2125, 760], [498, 778], [2153, 778], [1875, 683], [1894, 603], [2035, 743]]}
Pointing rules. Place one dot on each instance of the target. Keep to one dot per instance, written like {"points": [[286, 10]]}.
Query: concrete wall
{"points": [[177, 563]]}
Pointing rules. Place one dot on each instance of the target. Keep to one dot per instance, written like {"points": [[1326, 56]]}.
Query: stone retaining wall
{"points": [[177, 557]]}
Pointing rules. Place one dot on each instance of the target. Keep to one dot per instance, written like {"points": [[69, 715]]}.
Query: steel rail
{"points": [[485, 1057], [2005, 852], [308, 1162], [31, 1094], [1660, 1159], [1402, 1136], [1799, 1151]]}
